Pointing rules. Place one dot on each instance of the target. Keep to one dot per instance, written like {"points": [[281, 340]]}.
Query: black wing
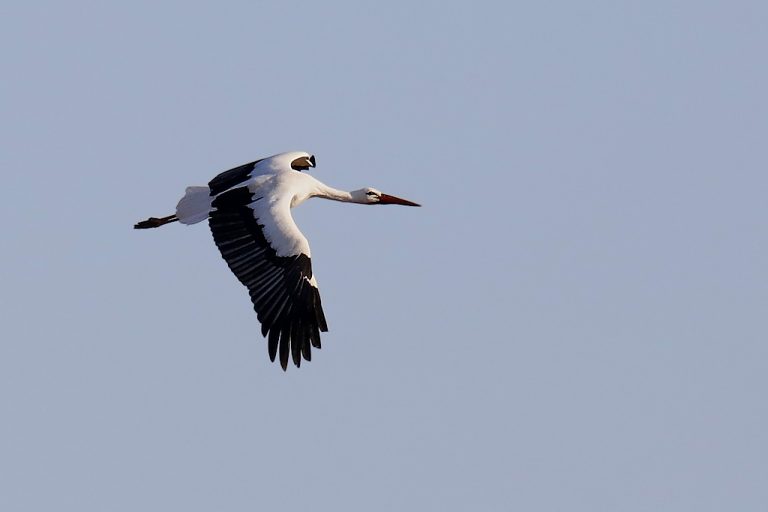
{"points": [[281, 287], [231, 178]]}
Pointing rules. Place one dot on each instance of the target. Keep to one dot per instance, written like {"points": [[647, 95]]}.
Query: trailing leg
{"points": [[154, 222]]}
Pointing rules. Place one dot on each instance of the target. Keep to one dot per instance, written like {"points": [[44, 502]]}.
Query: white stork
{"points": [[249, 212]]}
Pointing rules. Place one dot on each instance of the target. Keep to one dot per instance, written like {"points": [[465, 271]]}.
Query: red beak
{"points": [[387, 199]]}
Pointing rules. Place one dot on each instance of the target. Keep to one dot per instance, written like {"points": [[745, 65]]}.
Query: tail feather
{"points": [[195, 206], [154, 222]]}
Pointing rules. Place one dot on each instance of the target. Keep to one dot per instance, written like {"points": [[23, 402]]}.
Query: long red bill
{"points": [[387, 199]]}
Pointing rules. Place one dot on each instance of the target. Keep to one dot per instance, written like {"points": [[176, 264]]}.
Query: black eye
{"points": [[370, 193]]}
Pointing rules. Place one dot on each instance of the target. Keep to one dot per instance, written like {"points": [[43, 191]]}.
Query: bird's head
{"points": [[370, 195]]}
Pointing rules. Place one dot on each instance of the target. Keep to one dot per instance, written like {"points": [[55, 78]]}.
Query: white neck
{"points": [[334, 194]]}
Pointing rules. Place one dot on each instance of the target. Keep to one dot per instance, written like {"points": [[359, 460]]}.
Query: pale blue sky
{"points": [[575, 320]]}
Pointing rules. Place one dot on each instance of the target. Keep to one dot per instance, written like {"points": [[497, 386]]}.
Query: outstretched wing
{"points": [[266, 251]]}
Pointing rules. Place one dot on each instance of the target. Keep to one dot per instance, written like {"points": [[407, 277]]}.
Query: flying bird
{"points": [[248, 209]]}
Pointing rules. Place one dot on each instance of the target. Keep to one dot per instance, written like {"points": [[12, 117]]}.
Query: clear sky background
{"points": [[575, 320]]}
